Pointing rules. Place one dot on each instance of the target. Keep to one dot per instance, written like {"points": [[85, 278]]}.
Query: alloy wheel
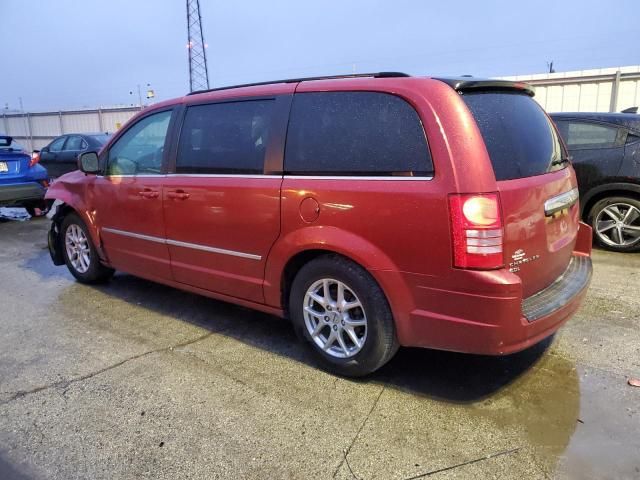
{"points": [[77, 246], [335, 318], [618, 225]]}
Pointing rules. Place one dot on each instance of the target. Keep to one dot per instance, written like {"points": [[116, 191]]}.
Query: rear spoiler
{"points": [[5, 141], [470, 84]]}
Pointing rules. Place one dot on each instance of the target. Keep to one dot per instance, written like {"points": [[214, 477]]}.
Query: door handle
{"points": [[178, 195], [148, 193]]}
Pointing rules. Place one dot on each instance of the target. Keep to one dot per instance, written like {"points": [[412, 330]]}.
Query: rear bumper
{"points": [[20, 193], [488, 315]]}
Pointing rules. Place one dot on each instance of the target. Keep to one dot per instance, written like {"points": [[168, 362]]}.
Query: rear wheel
{"points": [[79, 253], [339, 309], [616, 223]]}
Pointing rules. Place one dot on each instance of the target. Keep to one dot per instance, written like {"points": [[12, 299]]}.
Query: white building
{"points": [[601, 90]]}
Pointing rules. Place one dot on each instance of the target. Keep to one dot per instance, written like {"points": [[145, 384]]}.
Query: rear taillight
{"points": [[35, 158], [476, 227]]}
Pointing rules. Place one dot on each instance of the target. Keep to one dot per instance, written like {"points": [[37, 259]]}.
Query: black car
{"points": [[59, 157], [605, 152]]}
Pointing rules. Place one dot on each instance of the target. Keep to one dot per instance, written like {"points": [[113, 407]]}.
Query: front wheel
{"points": [[79, 253], [616, 223], [340, 310]]}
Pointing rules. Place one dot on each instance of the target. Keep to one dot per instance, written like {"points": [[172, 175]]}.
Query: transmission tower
{"points": [[198, 73]]}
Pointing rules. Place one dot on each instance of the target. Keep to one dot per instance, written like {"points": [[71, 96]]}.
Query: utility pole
{"points": [[198, 72]]}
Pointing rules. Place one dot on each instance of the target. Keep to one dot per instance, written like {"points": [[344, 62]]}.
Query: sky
{"points": [[59, 54]]}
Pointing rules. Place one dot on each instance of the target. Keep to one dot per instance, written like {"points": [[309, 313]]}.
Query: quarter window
{"points": [[581, 135], [355, 133], [225, 138], [140, 150]]}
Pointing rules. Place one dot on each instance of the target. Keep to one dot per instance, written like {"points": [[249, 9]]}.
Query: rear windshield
{"points": [[520, 139], [101, 139]]}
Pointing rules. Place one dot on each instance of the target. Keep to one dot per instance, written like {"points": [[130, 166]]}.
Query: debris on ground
{"points": [[19, 214], [634, 382]]}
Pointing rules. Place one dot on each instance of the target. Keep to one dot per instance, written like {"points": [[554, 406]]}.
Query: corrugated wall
{"points": [[602, 90], [35, 130]]}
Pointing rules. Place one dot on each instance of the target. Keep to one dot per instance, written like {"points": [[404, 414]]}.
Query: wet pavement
{"points": [[136, 380]]}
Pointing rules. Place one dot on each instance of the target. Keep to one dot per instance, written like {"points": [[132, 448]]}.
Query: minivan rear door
{"points": [[537, 187]]}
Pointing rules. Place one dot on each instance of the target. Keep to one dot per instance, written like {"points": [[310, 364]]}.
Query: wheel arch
{"points": [[618, 189], [63, 208], [298, 248]]}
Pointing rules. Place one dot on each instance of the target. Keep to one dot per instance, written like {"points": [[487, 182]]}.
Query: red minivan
{"points": [[372, 210]]}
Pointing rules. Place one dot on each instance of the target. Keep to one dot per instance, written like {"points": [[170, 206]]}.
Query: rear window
{"points": [[101, 139], [355, 134], [519, 137]]}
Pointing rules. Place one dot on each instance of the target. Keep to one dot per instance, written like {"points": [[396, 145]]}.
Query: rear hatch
{"points": [[537, 188], [14, 162]]}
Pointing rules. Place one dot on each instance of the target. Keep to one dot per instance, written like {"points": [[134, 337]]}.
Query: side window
{"points": [[84, 145], [140, 149], [73, 143], [225, 138], [582, 135], [56, 146], [355, 133]]}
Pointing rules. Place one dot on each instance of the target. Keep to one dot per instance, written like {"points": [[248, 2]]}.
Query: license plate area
{"points": [[4, 167]]}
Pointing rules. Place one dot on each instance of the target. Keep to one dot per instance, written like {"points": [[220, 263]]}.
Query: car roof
{"points": [[461, 84], [629, 120]]}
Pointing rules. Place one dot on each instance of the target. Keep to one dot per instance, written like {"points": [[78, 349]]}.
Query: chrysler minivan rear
{"points": [[520, 255]]}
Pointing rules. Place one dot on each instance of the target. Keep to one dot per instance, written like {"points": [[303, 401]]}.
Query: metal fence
{"points": [[602, 90], [35, 130]]}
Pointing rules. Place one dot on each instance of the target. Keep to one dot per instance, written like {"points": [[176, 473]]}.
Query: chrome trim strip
{"points": [[204, 248], [150, 175], [560, 202], [356, 177], [139, 236], [221, 175], [177, 243]]}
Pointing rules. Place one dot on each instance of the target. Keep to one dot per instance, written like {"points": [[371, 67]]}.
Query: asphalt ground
{"points": [[136, 380]]}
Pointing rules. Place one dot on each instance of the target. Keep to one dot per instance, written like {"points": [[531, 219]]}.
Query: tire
{"points": [[612, 216], [371, 323], [85, 265]]}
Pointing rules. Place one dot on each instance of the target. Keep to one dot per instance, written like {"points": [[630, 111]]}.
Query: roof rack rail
{"points": [[306, 79]]}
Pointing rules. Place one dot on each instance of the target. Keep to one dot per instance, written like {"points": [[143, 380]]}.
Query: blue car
{"points": [[22, 181]]}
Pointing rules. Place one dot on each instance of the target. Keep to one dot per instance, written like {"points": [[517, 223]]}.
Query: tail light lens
{"points": [[35, 158], [477, 231]]}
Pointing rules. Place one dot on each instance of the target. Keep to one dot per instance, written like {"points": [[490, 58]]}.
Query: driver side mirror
{"points": [[88, 163]]}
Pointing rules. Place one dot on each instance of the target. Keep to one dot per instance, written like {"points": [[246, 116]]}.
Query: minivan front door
{"points": [[128, 199], [222, 212]]}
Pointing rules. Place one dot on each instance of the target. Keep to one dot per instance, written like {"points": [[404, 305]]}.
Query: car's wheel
{"points": [[616, 223], [340, 310], [79, 253]]}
